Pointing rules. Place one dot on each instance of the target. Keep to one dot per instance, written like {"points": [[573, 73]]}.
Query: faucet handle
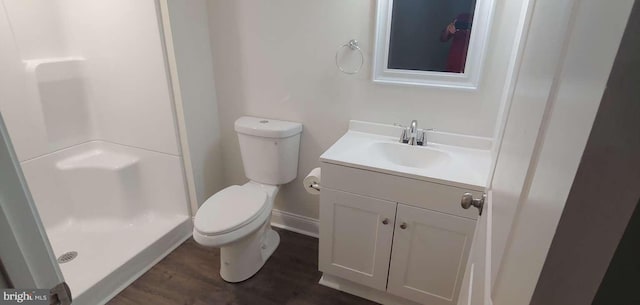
{"points": [[420, 137], [404, 137]]}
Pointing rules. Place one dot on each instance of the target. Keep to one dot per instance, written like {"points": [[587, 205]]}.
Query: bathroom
{"points": [[127, 117]]}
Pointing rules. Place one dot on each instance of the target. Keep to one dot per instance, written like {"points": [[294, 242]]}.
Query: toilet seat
{"points": [[229, 210]]}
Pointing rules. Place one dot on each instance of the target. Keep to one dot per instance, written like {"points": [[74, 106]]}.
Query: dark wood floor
{"points": [[189, 275]]}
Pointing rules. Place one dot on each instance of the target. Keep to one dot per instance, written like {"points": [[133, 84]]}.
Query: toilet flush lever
{"points": [[468, 201]]}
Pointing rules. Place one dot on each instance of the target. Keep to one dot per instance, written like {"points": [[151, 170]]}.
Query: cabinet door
{"points": [[429, 256], [355, 237]]}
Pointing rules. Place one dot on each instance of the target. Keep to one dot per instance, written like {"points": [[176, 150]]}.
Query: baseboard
{"points": [[294, 222]]}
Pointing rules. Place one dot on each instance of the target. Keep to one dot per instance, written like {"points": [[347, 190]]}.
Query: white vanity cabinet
{"points": [[403, 237]]}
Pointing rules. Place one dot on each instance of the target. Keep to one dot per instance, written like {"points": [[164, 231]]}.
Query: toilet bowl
{"points": [[237, 219]]}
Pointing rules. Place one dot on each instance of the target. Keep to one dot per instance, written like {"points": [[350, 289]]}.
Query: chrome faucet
{"points": [[412, 135], [413, 130]]}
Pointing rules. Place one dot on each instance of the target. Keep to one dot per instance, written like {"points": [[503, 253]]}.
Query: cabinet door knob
{"points": [[385, 221], [403, 225], [468, 201]]}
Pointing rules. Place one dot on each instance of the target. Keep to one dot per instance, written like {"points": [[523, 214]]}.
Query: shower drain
{"points": [[67, 257]]}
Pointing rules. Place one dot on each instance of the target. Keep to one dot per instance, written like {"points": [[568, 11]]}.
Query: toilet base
{"points": [[242, 259]]}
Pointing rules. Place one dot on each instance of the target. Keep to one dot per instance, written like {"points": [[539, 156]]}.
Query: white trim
{"points": [[468, 80], [295, 223], [174, 81], [515, 62]]}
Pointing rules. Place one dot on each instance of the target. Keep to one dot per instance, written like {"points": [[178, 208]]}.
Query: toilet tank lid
{"points": [[268, 128]]}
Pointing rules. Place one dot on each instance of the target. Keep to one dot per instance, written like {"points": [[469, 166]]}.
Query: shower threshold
{"points": [[113, 253]]}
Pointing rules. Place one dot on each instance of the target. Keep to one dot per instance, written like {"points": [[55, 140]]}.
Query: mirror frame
{"points": [[468, 80]]}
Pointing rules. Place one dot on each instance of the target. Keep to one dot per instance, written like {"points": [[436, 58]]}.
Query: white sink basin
{"points": [[375, 147], [410, 156]]}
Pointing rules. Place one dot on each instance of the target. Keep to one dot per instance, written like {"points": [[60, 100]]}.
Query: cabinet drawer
{"points": [[418, 193]]}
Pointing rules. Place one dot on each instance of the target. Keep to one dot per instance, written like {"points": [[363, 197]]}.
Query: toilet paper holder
{"points": [[315, 186], [312, 182]]}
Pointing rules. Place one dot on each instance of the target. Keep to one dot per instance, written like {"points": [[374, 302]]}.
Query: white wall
{"points": [[196, 96], [570, 96], [275, 59], [535, 81]]}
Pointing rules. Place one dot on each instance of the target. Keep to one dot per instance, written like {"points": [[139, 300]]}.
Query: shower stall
{"points": [[89, 109]]}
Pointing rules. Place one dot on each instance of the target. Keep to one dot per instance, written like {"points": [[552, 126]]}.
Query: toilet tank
{"points": [[269, 149]]}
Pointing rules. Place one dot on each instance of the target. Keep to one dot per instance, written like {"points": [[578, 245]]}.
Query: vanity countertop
{"points": [[450, 159]]}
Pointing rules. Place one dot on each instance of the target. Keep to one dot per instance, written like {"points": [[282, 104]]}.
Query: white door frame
{"points": [[26, 253], [561, 74]]}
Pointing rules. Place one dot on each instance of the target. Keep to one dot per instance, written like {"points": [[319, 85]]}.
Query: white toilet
{"points": [[237, 218]]}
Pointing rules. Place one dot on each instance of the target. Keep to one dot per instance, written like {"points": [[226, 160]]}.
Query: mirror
{"points": [[431, 42]]}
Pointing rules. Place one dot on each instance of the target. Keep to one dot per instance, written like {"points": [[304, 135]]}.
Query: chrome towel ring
{"points": [[353, 45]]}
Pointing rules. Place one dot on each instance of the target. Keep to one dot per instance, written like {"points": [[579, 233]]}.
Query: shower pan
{"points": [[92, 122]]}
